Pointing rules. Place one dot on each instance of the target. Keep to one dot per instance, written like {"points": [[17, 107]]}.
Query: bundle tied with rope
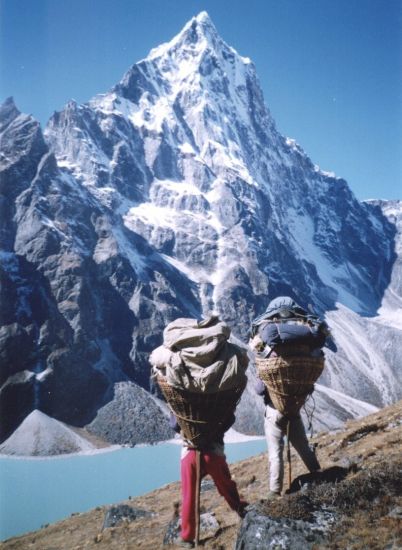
{"points": [[201, 417], [288, 341], [289, 377], [201, 375]]}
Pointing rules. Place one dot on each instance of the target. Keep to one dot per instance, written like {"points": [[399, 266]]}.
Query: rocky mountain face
{"points": [[175, 195], [66, 333]]}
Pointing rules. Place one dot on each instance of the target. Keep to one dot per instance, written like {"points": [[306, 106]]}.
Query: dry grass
{"points": [[369, 448]]}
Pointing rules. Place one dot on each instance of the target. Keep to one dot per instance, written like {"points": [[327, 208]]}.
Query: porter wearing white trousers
{"points": [[275, 429]]}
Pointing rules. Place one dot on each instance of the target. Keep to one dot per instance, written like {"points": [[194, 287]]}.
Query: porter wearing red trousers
{"points": [[213, 462]]}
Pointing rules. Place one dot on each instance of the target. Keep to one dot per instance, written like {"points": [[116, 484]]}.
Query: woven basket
{"points": [[201, 416], [289, 380]]}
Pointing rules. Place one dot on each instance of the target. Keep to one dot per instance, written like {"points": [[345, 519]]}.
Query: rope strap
{"points": [[197, 495], [288, 453], [190, 419]]}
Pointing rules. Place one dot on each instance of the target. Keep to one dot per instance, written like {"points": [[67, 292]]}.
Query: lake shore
{"points": [[231, 436], [40, 490]]}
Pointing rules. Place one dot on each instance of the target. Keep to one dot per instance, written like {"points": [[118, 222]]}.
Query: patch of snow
{"points": [[301, 231], [187, 148], [197, 275], [324, 172], [40, 376], [355, 407], [63, 163], [150, 214], [137, 261], [390, 312], [233, 436], [180, 187], [164, 48], [357, 337]]}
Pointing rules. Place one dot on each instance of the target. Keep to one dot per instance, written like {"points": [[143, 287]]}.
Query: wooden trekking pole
{"points": [[288, 453], [197, 495]]}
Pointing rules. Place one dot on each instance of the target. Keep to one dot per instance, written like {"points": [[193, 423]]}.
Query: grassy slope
{"points": [[373, 443]]}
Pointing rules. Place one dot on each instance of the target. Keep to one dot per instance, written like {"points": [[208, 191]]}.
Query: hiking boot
{"points": [[272, 495], [241, 511], [185, 543]]}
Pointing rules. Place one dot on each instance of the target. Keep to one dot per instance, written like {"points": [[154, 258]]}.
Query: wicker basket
{"points": [[289, 380], [201, 416]]}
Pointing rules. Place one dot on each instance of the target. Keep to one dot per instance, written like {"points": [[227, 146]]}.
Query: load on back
{"points": [[289, 359], [202, 376]]}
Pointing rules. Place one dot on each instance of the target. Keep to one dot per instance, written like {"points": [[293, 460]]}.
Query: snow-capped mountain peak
{"points": [[197, 66], [197, 35], [175, 195], [191, 123]]}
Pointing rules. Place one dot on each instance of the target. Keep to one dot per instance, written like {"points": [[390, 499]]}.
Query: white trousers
{"points": [[275, 429]]}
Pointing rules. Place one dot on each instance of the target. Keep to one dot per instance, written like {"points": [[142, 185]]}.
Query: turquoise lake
{"points": [[38, 491]]}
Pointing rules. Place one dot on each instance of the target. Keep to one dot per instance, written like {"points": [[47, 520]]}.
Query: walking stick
{"points": [[197, 495], [288, 453]]}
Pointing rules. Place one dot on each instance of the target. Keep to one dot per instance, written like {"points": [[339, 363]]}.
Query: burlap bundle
{"points": [[201, 416], [289, 379]]}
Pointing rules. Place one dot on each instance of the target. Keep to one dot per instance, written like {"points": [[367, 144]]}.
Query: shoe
{"points": [[272, 495], [185, 543], [241, 512]]}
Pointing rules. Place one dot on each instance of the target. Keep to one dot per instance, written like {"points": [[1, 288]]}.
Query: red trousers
{"points": [[214, 465]]}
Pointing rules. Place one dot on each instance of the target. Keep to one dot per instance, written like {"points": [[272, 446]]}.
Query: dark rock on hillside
{"points": [[17, 396], [209, 526], [261, 532], [131, 417], [123, 513]]}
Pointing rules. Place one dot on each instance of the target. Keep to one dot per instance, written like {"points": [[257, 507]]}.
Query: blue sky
{"points": [[331, 70]]}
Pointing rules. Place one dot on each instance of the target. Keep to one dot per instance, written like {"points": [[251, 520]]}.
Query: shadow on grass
{"points": [[330, 475]]}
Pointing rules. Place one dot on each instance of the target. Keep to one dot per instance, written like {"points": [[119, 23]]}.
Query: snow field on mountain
{"points": [[362, 356], [355, 407], [301, 230]]}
